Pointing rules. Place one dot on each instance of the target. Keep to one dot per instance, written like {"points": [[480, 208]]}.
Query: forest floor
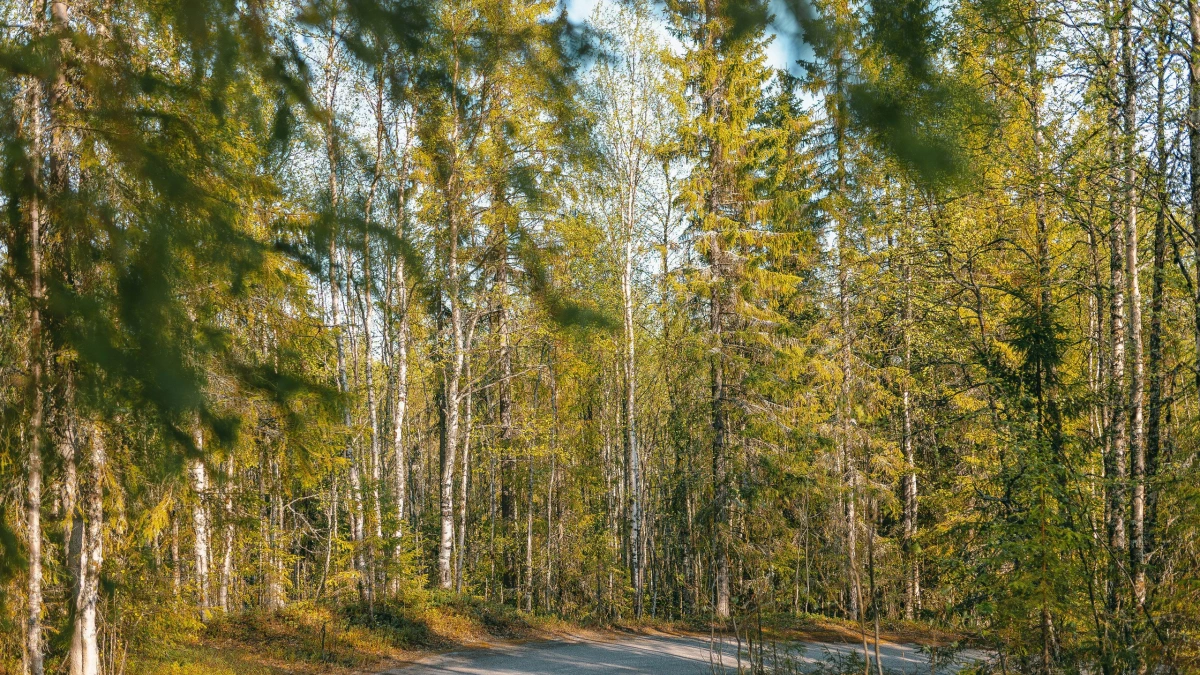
{"points": [[311, 639]]}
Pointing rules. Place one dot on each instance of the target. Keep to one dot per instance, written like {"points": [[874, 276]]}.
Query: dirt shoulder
{"points": [[806, 629], [318, 640]]}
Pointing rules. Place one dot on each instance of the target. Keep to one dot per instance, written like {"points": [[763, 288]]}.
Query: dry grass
{"points": [[311, 639], [788, 627], [307, 639]]}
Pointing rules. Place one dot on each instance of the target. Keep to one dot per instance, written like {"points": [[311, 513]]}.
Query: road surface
{"points": [[665, 655]]}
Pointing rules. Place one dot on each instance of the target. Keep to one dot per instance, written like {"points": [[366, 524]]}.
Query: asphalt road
{"points": [[667, 655]]}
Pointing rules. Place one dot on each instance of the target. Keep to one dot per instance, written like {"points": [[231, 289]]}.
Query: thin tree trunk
{"points": [[451, 379], [275, 590], [464, 486], [856, 589], [1194, 165], [344, 322], [529, 540], [73, 522], [200, 524], [331, 519], [332, 154], [368, 307], [491, 580], [871, 578], [453, 370], [86, 661], [1137, 447], [372, 407], [1155, 364], [505, 405], [73, 527], [33, 433], [449, 447], [401, 404], [176, 560], [712, 106], [1117, 472], [529, 506], [845, 361], [550, 526], [632, 458], [912, 579], [227, 561]]}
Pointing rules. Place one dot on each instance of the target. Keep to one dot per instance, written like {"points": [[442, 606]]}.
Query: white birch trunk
{"points": [[176, 559], [464, 486], [227, 561], [912, 576], [401, 405], [86, 661], [633, 459], [1137, 444], [201, 525], [453, 375], [368, 311]]}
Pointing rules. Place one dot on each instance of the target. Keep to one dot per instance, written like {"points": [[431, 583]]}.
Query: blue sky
{"points": [[778, 52]]}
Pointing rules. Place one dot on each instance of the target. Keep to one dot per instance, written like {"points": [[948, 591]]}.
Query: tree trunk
{"points": [[464, 486], [73, 522], [276, 595], [176, 560], [912, 578], [874, 508], [367, 312], [632, 458], [529, 539], [372, 408], [1194, 165], [332, 155], [1155, 364], [73, 527], [401, 404], [358, 519], [227, 560], [1117, 472], [719, 461], [550, 498], [1137, 447], [845, 360], [33, 433], [505, 410], [451, 378], [200, 524], [85, 651], [331, 519]]}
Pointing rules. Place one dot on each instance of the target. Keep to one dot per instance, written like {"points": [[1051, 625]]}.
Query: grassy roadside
{"points": [[804, 627], [307, 639], [310, 639]]}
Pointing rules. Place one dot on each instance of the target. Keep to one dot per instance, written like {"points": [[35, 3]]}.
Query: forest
{"points": [[362, 304]]}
